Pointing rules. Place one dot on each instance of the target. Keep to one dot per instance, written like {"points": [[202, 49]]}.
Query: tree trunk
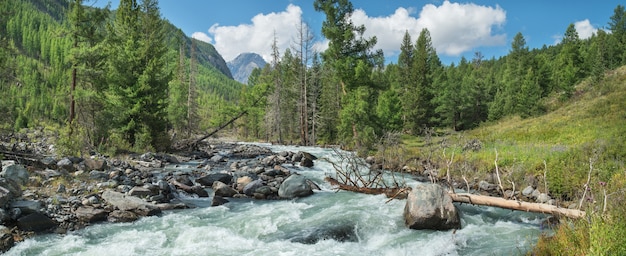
{"points": [[516, 205]]}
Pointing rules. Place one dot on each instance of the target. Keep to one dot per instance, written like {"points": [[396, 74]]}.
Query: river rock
{"points": [[36, 222], [27, 206], [295, 186], [209, 179], [16, 173], [6, 239], [251, 187], [528, 191], [223, 190], [90, 214], [242, 182], [542, 198], [218, 200], [340, 232], [140, 192], [130, 203], [8, 191], [306, 162], [428, 206], [119, 216]]}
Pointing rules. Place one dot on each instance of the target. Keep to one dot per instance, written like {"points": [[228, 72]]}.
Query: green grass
{"points": [[586, 132]]}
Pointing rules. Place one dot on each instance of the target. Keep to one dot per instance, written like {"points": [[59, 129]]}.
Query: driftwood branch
{"points": [[516, 205], [399, 193]]}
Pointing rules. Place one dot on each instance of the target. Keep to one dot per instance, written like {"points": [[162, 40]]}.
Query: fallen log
{"points": [[515, 205]]}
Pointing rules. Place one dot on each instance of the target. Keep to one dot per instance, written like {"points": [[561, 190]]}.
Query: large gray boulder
{"points": [[16, 173], [428, 206], [9, 190], [130, 203], [251, 187], [295, 186]]}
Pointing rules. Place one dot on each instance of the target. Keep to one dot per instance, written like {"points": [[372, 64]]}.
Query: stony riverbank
{"points": [[40, 192]]}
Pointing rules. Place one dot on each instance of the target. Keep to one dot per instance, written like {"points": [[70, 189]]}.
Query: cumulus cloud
{"points": [[585, 29], [202, 37], [257, 36], [454, 28]]}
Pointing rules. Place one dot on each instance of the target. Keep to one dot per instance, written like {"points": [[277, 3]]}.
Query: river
{"points": [[327, 223]]}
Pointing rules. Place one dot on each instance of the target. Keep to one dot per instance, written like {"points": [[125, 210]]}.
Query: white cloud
{"points": [[202, 37], [258, 36], [454, 28], [585, 29]]}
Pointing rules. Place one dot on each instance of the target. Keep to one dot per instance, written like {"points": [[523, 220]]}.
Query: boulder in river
{"points": [[295, 186], [209, 179], [428, 206], [90, 214], [223, 190], [37, 222], [121, 216], [130, 203]]}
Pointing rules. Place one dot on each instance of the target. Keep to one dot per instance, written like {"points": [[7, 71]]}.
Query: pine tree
{"points": [[349, 57], [138, 81]]}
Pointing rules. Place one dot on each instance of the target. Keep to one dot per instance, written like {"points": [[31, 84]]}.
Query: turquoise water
{"points": [[366, 225]]}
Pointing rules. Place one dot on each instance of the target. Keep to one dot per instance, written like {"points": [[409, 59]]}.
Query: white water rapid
{"points": [[326, 223]]}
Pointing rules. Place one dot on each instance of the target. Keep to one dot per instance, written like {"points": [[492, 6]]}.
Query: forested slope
{"points": [[43, 41]]}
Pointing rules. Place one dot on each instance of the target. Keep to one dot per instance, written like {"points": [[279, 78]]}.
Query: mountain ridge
{"points": [[241, 67]]}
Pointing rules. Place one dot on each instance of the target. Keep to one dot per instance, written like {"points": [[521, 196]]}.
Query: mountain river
{"points": [[329, 222]]}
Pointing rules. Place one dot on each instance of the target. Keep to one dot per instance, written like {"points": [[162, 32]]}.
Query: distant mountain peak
{"points": [[242, 66]]}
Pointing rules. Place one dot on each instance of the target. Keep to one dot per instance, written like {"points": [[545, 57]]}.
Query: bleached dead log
{"points": [[515, 205]]}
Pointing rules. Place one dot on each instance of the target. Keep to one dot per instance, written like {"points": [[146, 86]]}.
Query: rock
{"points": [[306, 162], [528, 191], [218, 200], [198, 190], [6, 239], [8, 191], [217, 159], [535, 194], [36, 222], [223, 190], [242, 182], [118, 216], [295, 186], [486, 186], [370, 160], [90, 214], [209, 179], [130, 203], [140, 192], [4, 216], [95, 164], [264, 190], [98, 175], [16, 173], [542, 198], [27, 206], [66, 164], [48, 162], [61, 189], [428, 206], [307, 155], [340, 232], [251, 187]]}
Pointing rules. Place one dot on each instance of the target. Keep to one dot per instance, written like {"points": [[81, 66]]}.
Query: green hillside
{"points": [[37, 52]]}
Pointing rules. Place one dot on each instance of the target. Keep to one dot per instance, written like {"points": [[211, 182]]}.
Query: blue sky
{"points": [[458, 28]]}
